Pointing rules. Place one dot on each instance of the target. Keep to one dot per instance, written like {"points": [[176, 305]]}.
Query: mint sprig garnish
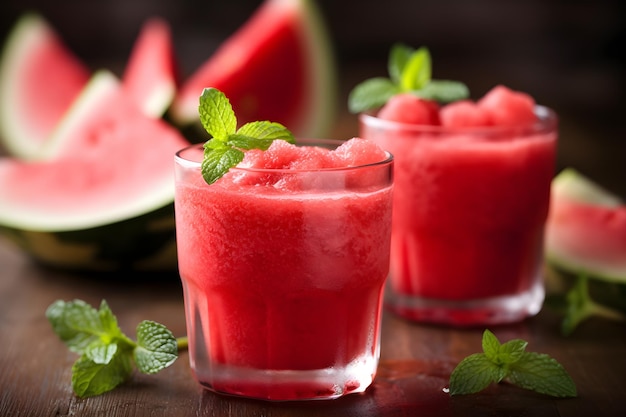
{"points": [[106, 353], [410, 71], [226, 147], [510, 362]]}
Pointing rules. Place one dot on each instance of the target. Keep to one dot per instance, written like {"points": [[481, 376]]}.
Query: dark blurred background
{"points": [[568, 54]]}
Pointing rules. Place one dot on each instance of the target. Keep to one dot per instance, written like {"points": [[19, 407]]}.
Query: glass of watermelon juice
{"points": [[283, 264], [469, 209]]}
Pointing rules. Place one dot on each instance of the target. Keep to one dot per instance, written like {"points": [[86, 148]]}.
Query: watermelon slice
{"points": [[106, 185], [39, 79], [150, 74], [278, 66], [586, 229], [585, 251]]}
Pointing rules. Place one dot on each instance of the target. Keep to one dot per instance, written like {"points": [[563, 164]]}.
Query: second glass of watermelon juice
{"points": [[283, 270], [470, 206]]}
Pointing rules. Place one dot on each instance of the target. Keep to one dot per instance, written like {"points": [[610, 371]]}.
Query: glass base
{"points": [[289, 385], [497, 310]]}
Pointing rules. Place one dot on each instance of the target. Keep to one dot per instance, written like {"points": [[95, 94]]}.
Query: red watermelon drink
{"points": [[283, 262], [472, 186]]}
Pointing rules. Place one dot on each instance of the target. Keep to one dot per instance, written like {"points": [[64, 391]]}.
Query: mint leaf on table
{"points": [[410, 71], [225, 148], [107, 354], [510, 362], [581, 306], [82, 327], [541, 373], [156, 347], [90, 378], [475, 373]]}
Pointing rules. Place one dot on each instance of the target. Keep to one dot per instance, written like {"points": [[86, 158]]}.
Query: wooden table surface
{"points": [[416, 360]]}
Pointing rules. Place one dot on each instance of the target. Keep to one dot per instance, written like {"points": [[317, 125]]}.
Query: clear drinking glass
{"points": [[283, 274], [469, 210]]}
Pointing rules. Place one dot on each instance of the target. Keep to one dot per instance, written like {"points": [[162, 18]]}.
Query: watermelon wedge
{"points": [[585, 249], [586, 229], [105, 187], [278, 66], [150, 73], [39, 79]]}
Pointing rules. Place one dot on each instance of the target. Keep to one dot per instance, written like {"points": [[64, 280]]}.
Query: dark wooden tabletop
{"points": [[416, 360]]}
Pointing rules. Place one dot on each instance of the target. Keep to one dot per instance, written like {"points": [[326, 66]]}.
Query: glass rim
{"points": [[547, 121], [197, 162]]}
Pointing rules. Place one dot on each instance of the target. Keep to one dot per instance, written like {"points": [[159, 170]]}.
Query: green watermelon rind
{"points": [[139, 235], [604, 286], [577, 187], [27, 30], [574, 186], [148, 244]]}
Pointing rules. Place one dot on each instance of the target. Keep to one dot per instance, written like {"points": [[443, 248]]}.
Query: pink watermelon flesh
{"points": [[501, 106], [407, 108], [283, 155], [39, 80], [272, 68], [507, 107], [586, 236], [463, 113], [592, 238], [150, 74], [109, 162]]}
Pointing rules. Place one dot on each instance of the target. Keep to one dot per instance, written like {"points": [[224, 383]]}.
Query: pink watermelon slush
{"points": [[283, 264], [470, 203]]}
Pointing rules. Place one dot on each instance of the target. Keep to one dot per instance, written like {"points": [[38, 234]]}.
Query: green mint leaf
{"points": [[248, 142], [502, 354], [100, 352], [218, 161], [410, 71], [490, 344], [156, 347], [76, 323], [216, 114], [72, 332], [225, 149], [511, 351], [106, 353], [443, 91], [417, 71], [108, 321], [509, 361], [267, 131], [259, 135], [111, 330], [579, 305], [574, 300], [542, 374], [473, 374], [371, 94], [398, 58], [90, 378]]}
